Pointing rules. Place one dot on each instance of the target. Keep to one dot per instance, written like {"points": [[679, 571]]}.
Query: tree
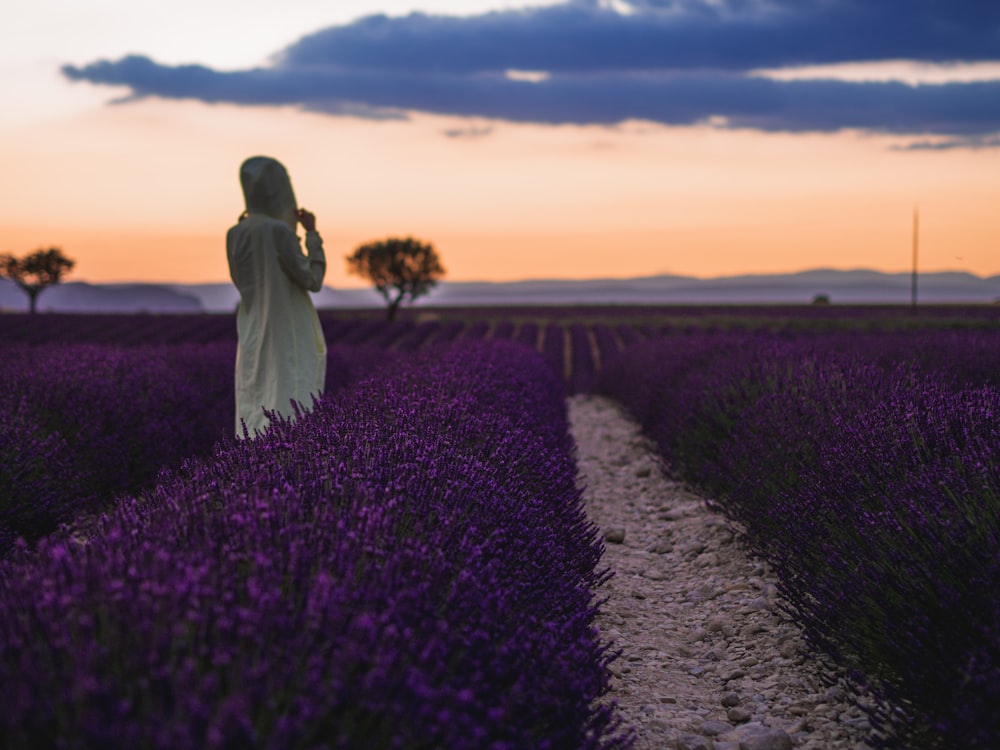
{"points": [[399, 268], [36, 271]]}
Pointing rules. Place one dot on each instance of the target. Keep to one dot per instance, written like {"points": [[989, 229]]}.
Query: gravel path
{"points": [[709, 661]]}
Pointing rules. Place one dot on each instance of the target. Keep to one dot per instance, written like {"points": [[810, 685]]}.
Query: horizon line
{"points": [[563, 279]]}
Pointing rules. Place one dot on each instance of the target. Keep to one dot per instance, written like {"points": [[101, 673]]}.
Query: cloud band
{"points": [[675, 63]]}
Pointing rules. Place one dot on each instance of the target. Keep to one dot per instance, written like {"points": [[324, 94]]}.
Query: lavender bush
{"points": [[527, 334], [421, 334], [36, 465], [85, 422], [503, 330], [571, 330], [364, 332], [80, 424], [449, 331], [582, 370], [477, 330], [871, 484], [607, 343], [554, 348], [408, 566], [139, 329], [389, 334]]}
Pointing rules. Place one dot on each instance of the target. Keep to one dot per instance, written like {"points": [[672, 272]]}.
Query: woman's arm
{"points": [[306, 271]]}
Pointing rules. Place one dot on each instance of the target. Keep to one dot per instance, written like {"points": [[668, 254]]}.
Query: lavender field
{"points": [[410, 563], [865, 469]]}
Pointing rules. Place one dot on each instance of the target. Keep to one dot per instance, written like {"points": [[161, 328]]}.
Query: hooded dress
{"points": [[281, 355]]}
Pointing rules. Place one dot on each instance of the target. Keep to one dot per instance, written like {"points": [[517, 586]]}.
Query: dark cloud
{"points": [[473, 132], [974, 142], [585, 37], [668, 61]]}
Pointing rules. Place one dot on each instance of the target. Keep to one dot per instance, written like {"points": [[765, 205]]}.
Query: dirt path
{"points": [[709, 661]]}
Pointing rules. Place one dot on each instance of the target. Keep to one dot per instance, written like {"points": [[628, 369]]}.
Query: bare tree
{"points": [[36, 271], [400, 269]]}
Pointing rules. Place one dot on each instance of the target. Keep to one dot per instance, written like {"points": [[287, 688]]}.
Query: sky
{"points": [[523, 139]]}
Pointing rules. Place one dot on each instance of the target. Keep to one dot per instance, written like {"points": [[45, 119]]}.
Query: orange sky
{"points": [[145, 192]]}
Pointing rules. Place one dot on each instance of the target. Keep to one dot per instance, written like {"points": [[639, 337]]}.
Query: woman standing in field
{"points": [[281, 356]]}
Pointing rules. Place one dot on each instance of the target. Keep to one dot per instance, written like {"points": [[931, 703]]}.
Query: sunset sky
{"points": [[578, 139]]}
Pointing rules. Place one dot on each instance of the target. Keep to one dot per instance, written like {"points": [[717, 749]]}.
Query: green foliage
{"points": [[400, 269]]}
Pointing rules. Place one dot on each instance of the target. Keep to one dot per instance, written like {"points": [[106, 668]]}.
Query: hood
{"points": [[267, 189]]}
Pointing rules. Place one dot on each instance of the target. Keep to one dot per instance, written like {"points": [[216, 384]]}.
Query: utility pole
{"points": [[916, 242]]}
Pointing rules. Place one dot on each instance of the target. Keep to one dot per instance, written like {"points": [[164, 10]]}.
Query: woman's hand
{"points": [[306, 219]]}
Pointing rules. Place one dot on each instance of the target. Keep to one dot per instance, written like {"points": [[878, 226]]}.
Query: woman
{"points": [[281, 356]]}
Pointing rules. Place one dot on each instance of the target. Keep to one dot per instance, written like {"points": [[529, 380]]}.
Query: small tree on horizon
{"points": [[36, 271], [400, 269]]}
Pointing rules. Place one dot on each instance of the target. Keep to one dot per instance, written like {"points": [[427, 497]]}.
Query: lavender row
{"points": [[606, 342], [871, 486], [527, 334], [554, 348], [898, 315], [582, 366], [577, 341], [145, 328], [80, 424], [121, 329], [408, 566]]}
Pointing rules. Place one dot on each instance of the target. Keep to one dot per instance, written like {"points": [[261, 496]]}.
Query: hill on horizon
{"points": [[860, 286]]}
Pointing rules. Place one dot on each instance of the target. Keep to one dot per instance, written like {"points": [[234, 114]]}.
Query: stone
{"points": [[789, 649], [719, 624], [693, 742], [730, 699], [833, 694], [714, 728], [738, 715], [614, 536], [702, 593], [675, 514], [698, 634], [858, 722], [760, 604], [760, 737]]}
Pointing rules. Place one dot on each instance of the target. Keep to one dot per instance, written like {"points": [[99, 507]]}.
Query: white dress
{"points": [[281, 356]]}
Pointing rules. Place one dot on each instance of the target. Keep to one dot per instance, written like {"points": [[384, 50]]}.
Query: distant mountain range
{"points": [[844, 287]]}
